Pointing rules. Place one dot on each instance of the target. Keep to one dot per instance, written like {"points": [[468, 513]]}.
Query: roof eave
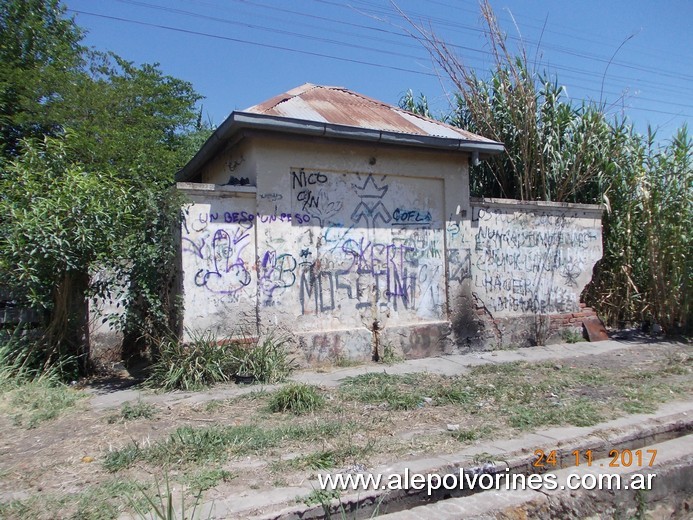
{"points": [[240, 120]]}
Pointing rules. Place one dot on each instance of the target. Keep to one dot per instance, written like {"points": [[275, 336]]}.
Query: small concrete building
{"points": [[348, 222]]}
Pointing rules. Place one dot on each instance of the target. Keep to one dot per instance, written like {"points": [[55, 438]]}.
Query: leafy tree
{"points": [[61, 221], [132, 118], [86, 183], [39, 51]]}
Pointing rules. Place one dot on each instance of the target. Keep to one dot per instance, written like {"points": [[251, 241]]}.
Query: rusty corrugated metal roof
{"points": [[340, 106], [338, 113]]}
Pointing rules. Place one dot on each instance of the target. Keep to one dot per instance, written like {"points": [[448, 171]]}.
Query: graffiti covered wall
{"points": [[218, 260], [532, 259], [331, 251], [375, 247]]}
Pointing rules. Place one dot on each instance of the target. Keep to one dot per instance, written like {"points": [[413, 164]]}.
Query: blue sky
{"points": [[635, 55]]}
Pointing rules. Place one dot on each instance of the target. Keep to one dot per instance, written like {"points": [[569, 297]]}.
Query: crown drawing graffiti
{"points": [[370, 190]]}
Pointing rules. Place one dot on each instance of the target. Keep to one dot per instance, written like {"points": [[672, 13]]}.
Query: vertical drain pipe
{"points": [[376, 340]]}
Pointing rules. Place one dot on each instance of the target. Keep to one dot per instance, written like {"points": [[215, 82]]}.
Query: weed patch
{"points": [[188, 445], [266, 358], [32, 403], [99, 502], [194, 365], [572, 336], [389, 356], [471, 434], [296, 398], [132, 412], [398, 392], [345, 362], [321, 460], [123, 458], [328, 459], [318, 497], [530, 417], [207, 478]]}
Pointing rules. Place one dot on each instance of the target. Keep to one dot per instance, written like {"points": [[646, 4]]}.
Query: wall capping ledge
{"points": [[537, 205], [202, 188]]}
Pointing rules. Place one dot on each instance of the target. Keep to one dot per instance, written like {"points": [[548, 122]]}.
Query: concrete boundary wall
{"points": [[353, 263], [336, 267], [531, 262]]}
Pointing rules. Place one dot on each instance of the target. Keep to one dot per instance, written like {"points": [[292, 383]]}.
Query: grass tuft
{"points": [[572, 336], [529, 417], [267, 358], [132, 412], [188, 445], [473, 434], [208, 478], [296, 398], [390, 356], [38, 401], [192, 366], [398, 392], [318, 497]]}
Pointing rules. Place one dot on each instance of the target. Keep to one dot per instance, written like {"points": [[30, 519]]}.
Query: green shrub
{"points": [[266, 357], [296, 398], [24, 358], [572, 336], [202, 362]]}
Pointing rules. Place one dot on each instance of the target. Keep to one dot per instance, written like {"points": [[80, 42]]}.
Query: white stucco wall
{"points": [[345, 238], [218, 259], [533, 258], [354, 246]]}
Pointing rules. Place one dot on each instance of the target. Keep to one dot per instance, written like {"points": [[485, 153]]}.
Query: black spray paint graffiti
{"points": [[367, 272], [301, 179], [459, 264], [244, 219], [554, 300], [318, 205], [312, 198], [535, 260], [371, 207], [489, 238], [318, 290], [272, 197], [523, 218]]}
